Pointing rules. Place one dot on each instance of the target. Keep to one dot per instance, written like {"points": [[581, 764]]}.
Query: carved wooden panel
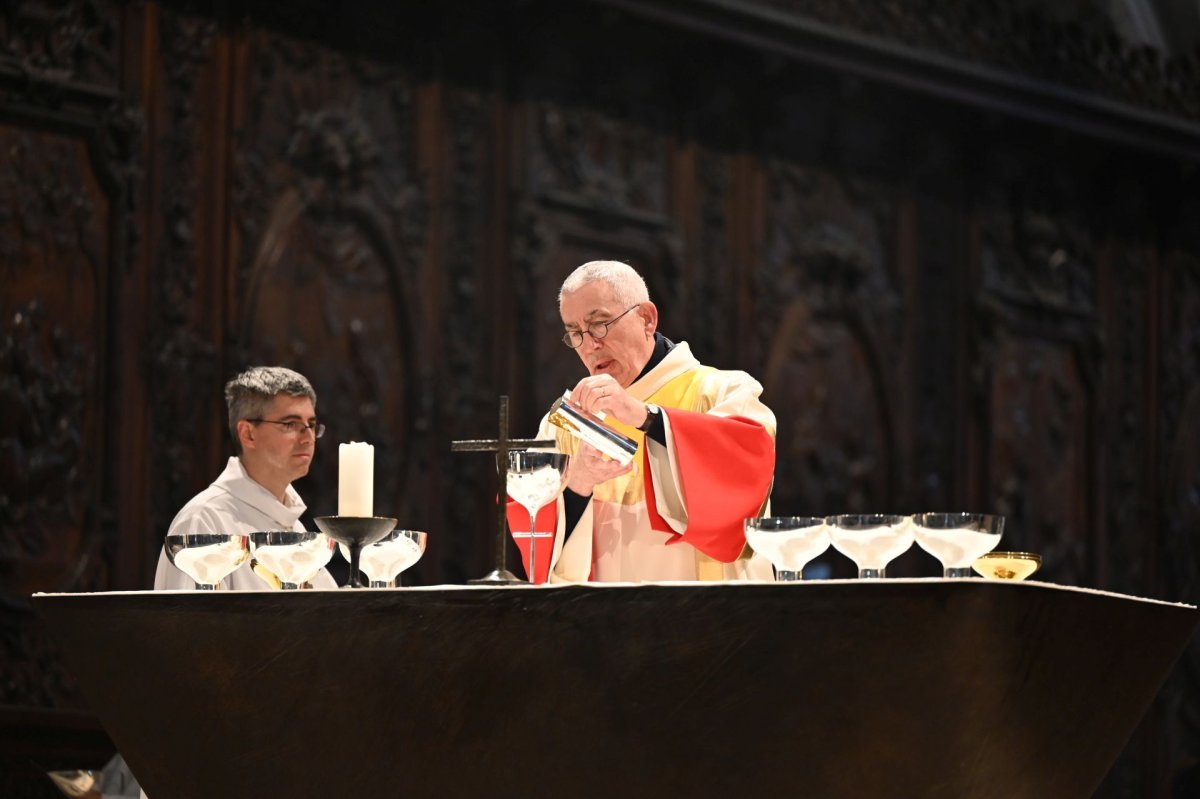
{"points": [[596, 188], [825, 325], [330, 217], [65, 41], [183, 348], [473, 288], [947, 310], [1174, 545], [1123, 561], [54, 224], [1038, 376], [65, 237], [1068, 43]]}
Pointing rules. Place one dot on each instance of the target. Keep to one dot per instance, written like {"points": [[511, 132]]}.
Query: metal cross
{"points": [[501, 445]]}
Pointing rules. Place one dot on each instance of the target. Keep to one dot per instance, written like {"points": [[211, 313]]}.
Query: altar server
{"points": [[273, 422]]}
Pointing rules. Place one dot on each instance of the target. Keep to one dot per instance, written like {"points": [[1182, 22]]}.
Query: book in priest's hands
{"points": [[592, 429]]}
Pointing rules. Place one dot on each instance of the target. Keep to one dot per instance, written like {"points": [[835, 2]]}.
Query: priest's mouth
{"points": [[600, 366]]}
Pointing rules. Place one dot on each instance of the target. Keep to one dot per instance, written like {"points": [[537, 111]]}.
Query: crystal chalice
{"points": [[534, 478], [789, 542], [957, 539], [871, 540], [387, 558], [208, 558], [293, 557]]}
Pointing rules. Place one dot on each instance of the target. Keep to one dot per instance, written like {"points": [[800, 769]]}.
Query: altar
{"points": [[921, 688]]}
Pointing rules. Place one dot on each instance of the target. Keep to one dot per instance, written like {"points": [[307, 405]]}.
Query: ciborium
{"points": [[291, 556], [789, 542], [208, 558], [387, 558], [957, 539]]}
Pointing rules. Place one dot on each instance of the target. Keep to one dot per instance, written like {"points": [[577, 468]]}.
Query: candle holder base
{"points": [[355, 532]]}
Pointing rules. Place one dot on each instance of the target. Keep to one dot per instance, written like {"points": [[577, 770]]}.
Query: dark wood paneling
{"points": [[959, 288]]}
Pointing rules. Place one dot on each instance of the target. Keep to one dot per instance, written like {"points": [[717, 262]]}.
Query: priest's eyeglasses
{"points": [[597, 330], [295, 427]]}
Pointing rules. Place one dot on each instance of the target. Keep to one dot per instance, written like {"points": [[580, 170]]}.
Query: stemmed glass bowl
{"points": [[208, 558], [535, 477], [957, 539], [871, 540], [293, 557], [789, 542], [384, 560]]}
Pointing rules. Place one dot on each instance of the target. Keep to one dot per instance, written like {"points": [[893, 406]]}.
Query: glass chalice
{"points": [[535, 477], [208, 558], [384, 560], [789, 542], [957, 539], [1007, 565], [292, 557], [871, 540]]}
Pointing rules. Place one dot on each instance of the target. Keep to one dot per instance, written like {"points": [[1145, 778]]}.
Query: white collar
{"points": [[242, 486], [675, 363]]}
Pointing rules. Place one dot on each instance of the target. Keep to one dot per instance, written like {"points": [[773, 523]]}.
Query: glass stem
{"points": [[952, 573], [532, 549], [871, 574], [785, 576], [380, 584]]}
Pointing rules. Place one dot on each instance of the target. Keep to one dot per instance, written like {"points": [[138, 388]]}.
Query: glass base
{"points": [[785, 576], [872, 574], [958, 573], [498, 577]]}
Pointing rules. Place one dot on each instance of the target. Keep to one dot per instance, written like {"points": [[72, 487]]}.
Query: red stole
{"points": [[725, 466]]}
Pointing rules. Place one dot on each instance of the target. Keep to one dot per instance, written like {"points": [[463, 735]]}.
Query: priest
{"points": [[705, 460]]}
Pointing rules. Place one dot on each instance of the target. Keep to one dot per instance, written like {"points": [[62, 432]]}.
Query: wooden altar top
{"points": [[930, 688]]}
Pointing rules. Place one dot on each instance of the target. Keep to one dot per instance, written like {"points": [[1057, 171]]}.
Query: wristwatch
{"points": [[652, 413]]}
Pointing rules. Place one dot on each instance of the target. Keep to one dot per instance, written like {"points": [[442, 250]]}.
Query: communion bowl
{"points": [[1007, 565]]}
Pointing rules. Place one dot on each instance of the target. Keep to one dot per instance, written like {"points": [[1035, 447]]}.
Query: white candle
{"points": [[356, 479]]}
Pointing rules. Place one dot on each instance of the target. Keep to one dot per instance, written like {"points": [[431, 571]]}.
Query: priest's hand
{"points": [[602, 393], [590, 467]]}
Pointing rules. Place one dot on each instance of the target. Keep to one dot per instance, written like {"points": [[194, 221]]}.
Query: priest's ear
{"points": [[245, 433], [648, 312]]}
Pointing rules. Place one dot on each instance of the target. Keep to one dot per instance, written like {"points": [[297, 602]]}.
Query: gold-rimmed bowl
{"points": [[1007, 565]]}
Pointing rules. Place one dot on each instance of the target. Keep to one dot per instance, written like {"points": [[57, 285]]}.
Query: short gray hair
{"points": [[249, 394], [628, 286]]}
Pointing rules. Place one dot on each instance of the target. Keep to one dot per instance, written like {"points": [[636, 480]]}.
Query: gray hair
{"points": [[249, 394], [628, 286]]}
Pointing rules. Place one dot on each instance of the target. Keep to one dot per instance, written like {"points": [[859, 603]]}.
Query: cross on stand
{"points": [[501, 445]]}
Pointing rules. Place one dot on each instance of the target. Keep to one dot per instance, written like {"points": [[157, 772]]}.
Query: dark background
{"points": [[958, 243]]}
